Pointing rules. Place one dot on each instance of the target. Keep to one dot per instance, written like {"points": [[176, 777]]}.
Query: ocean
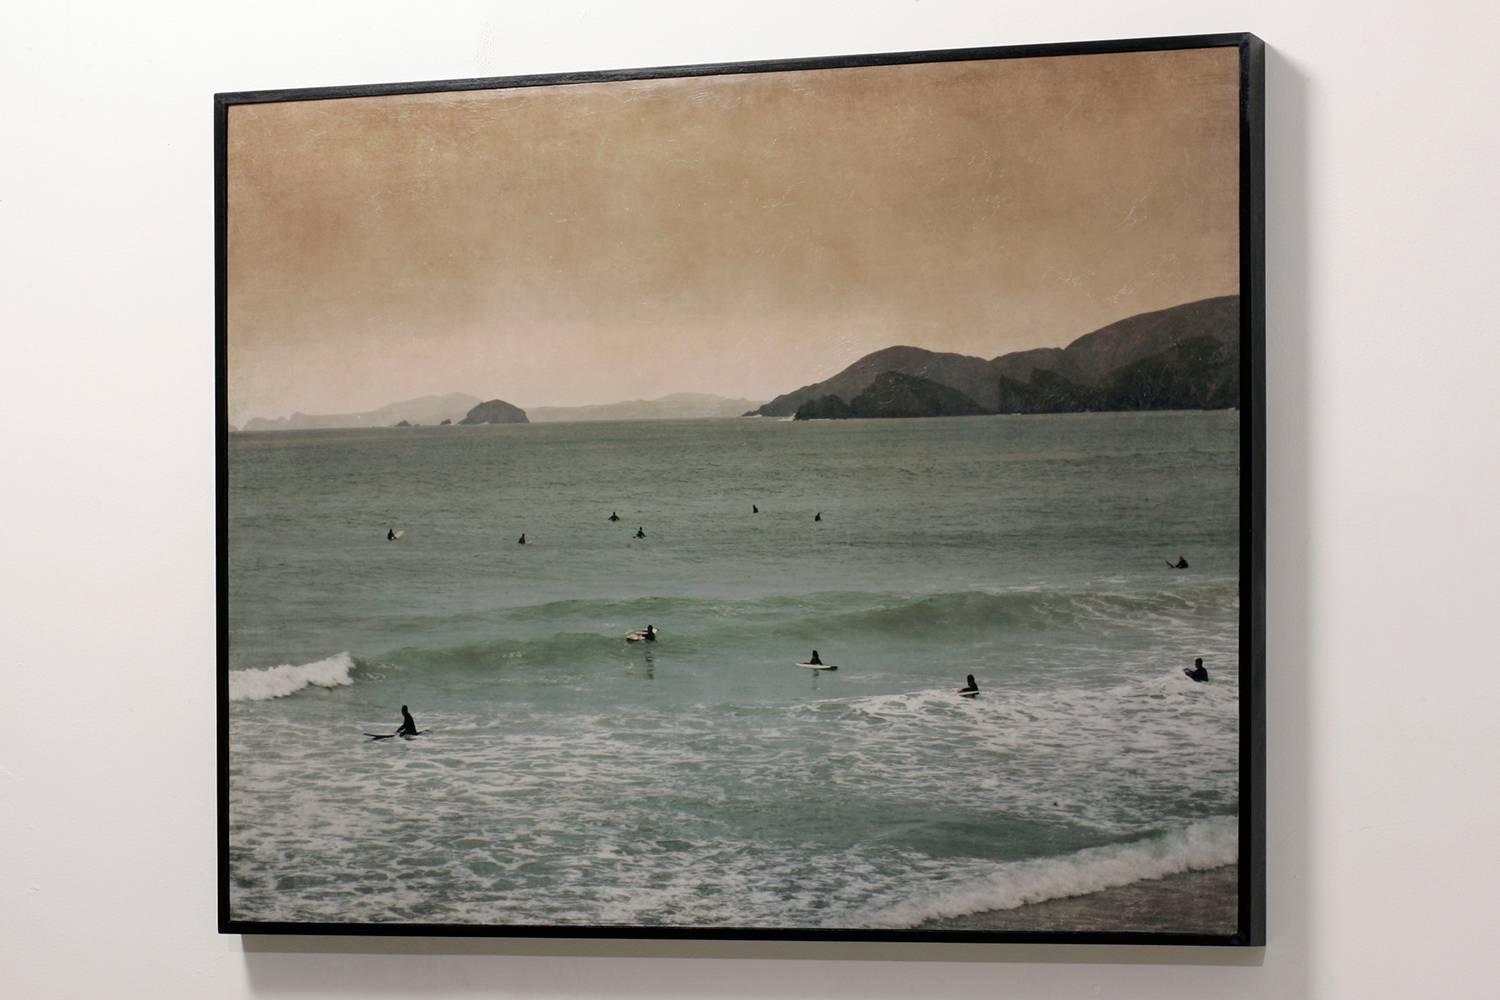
{"points": [[567, 776]]}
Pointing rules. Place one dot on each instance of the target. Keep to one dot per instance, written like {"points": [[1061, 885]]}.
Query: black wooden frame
{"points": [[1251, 918]]}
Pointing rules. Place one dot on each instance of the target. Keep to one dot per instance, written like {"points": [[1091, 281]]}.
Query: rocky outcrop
{"points": [[495, 411]]}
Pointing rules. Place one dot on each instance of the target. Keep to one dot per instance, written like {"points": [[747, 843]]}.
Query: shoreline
{"points": [[1192, 902]]}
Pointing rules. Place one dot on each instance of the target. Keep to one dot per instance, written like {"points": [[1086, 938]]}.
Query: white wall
{"points": [[1384, 482]]}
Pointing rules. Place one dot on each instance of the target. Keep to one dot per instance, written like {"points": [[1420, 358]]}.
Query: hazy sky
{"points": [[740, 235]]}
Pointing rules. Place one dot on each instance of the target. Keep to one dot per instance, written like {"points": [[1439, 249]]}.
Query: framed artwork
{"points": [[815, 499]]}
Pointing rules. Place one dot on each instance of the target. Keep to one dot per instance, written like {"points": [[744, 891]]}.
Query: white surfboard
{"points": [[819, 666]]}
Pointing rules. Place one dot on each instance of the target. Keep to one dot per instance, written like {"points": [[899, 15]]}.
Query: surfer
{"points": [[640, 532], [1181, 563], [408, 724], [814, 660], [522, 539], [818, 516], [390, 534], [650, 634], [754, 509], [969, 690], [614, 515], [1197, 671]]}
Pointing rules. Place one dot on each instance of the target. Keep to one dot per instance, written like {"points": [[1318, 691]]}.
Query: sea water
{"points": [[568, 776]]}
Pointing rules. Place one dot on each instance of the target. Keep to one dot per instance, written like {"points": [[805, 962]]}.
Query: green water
{"points": [[570, 776]]}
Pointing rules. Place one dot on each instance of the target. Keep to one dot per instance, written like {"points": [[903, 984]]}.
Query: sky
{"points": [[740, 235]]}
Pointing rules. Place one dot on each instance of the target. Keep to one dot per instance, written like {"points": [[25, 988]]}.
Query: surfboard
{"points": [[819, 666], [639, 635], [391, 736], [968, 694], [381, 736]]}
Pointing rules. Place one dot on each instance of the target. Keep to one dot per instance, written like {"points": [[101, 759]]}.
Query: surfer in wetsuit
{"points": [[650, 635], [971, 688], [754, 509], [408, 724], [1181, 563], [815, 661], [522, 539], [390, 534], [1198, 671], [640, 532], [614, 515], [818, 516]]}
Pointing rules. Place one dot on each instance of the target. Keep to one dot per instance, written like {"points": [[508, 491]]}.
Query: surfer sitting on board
{"points": [[969, 690], [1197, 671], [614, 515], [522, 539], [390, 534], [408, 724], [1181, 563], [814, 660], [640, 532]]}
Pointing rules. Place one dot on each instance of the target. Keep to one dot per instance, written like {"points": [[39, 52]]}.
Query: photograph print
{"points": [[806, 499]]}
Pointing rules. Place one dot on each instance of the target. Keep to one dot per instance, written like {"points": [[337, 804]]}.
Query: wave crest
{"points": [[1209, 843], [265, 683]]}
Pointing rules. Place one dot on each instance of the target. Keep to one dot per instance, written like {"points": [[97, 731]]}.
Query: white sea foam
{"points": [[1206, 844], [278, 682]]}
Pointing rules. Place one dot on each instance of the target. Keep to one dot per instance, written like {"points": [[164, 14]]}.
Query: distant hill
{"points": [[971, 376], [894, 394], [425, 410], [495, 411], [1091, 358], [1185, 356], [677, 406]]}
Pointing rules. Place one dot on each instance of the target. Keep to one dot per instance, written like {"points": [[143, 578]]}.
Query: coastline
{"points": [[1193, 902]]}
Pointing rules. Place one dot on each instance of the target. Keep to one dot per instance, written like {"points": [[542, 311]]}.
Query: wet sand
{"points": [[1192, 902]]}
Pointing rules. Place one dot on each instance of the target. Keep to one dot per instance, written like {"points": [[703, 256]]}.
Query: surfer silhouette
{"points": [[640, 532], [818, 516], [1197, 671], [614, 515], [1181, 563], [408, 724], [522, 539], [969, 690], [754, 509], [815, 661], [390, 534]]}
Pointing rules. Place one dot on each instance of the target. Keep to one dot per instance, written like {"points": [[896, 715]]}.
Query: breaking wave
{"points": [[265, 683], [1209, 843]]}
